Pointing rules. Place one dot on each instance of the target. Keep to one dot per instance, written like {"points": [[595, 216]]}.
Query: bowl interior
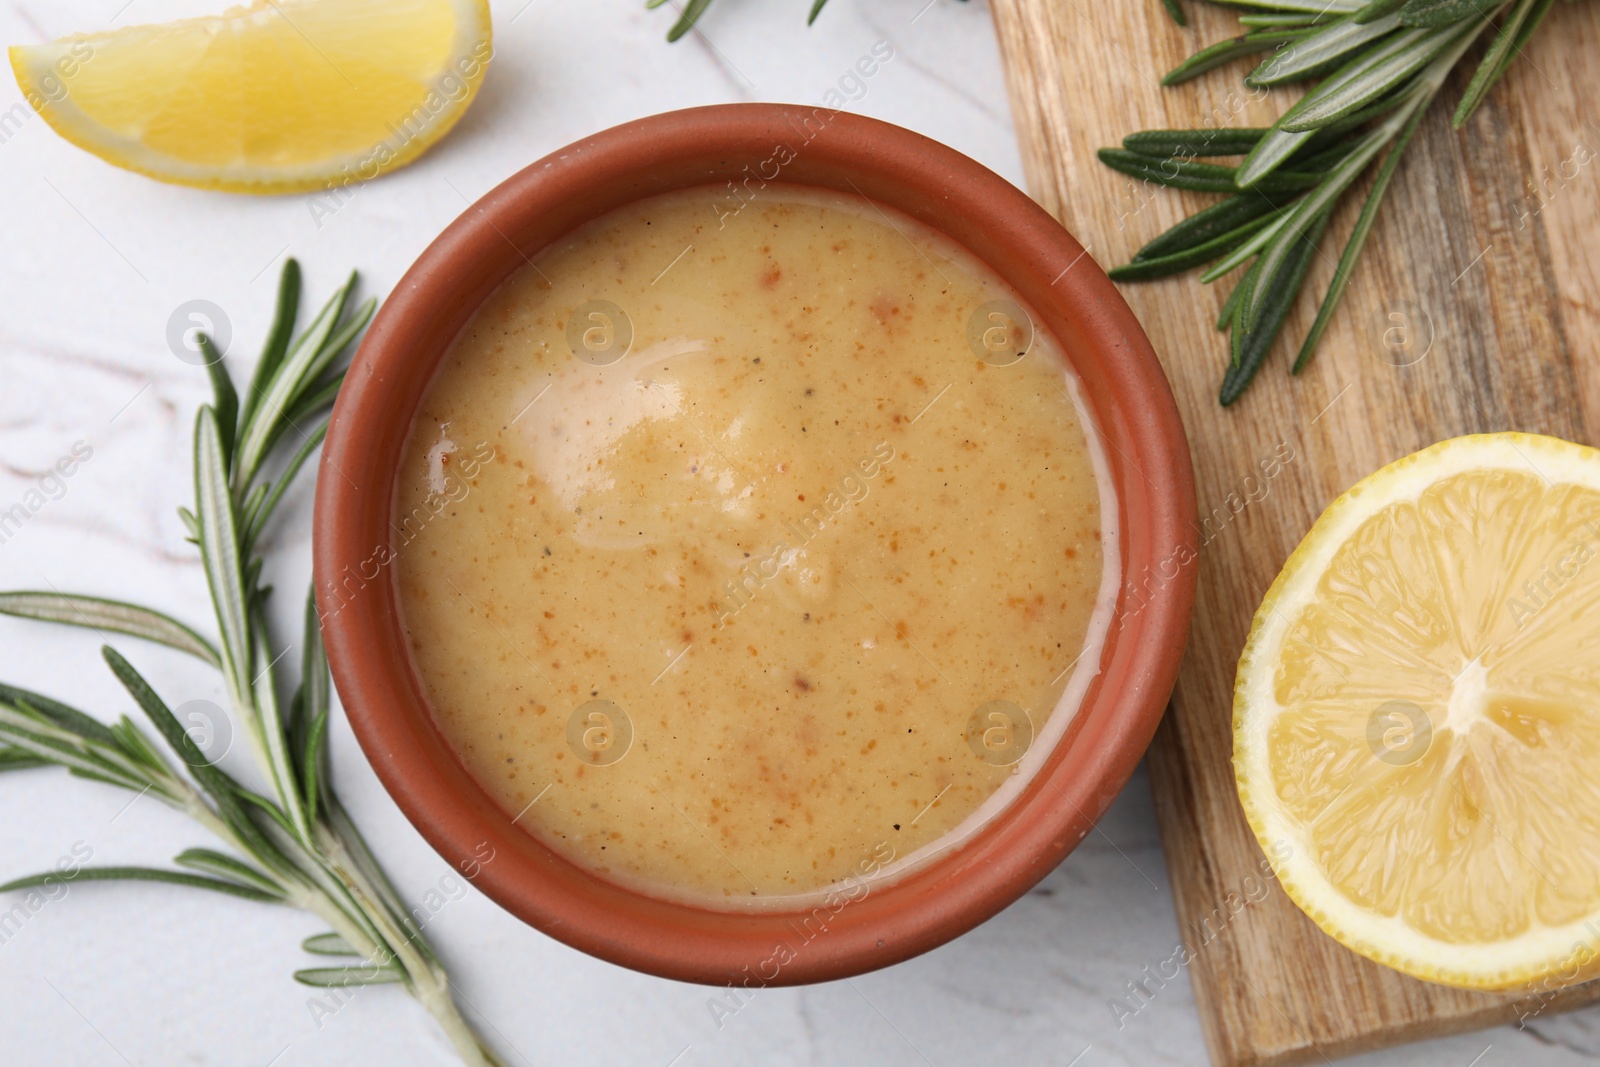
{"points": [[1069, 297]]}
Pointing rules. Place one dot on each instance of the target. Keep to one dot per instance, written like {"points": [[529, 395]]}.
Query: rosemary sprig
{"points": [[691, 11], [1378, 65], [293, 843]]}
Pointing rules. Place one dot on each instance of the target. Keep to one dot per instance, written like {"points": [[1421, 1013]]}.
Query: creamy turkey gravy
{"points": [[730, 568]]}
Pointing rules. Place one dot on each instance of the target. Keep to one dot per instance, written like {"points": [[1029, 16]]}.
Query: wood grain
{"points": [[1476, 308]]}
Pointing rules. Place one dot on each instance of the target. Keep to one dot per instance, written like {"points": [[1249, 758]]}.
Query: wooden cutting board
{"points": [[1476, 308]]}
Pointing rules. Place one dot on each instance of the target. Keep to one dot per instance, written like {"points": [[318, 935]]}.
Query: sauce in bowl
{"points": [[747, 555]]}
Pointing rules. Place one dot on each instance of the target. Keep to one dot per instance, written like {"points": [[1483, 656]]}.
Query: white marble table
{"points": [[95, 260]]}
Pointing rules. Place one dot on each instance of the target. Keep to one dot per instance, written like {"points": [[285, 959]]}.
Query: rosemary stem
{"points": [[320, 905], [304, 894], [433, 991], [297, 894], [339, 862], [366, 864], [425, 982]]}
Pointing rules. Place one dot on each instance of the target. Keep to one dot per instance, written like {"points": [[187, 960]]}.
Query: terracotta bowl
{"points": [[1068, 295]]}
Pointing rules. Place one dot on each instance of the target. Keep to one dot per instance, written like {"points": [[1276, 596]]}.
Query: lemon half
{"points": [[273, 97], [1417, 715]]}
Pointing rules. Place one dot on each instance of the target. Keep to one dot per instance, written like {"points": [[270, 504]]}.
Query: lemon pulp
{"points": [[1418, 713], [276, 96]]}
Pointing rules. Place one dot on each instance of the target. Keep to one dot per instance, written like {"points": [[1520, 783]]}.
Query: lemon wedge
{"points": [[277, 96], [1417, 715]]}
